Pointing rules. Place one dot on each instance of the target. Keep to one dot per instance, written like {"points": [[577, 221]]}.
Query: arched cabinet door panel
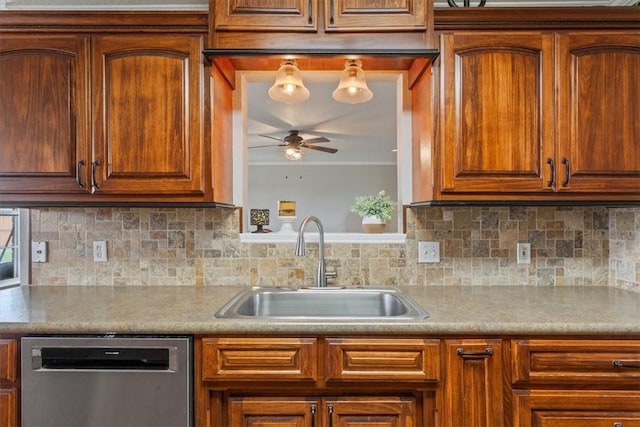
{"points": [[497, 105], [599, 111], [147, 115], [44, 130]]}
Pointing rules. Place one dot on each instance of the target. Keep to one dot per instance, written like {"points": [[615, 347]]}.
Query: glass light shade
{"points": [[293, 153], [288, 87], [352, 88]]}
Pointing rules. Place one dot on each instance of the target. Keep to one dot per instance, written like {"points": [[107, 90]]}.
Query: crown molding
{"points": [[203, 5]]}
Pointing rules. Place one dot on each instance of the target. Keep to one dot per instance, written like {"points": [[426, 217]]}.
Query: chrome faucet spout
{"points": [[321, 273]]}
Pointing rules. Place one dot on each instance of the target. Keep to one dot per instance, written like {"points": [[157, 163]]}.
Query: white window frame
{"points": [[21, 239]]}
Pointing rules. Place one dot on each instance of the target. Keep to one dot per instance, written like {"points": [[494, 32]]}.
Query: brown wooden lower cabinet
{"points": [[576, 408], [9, 407], [473, 389], [316, 381], [326, 411], [9, 379]]}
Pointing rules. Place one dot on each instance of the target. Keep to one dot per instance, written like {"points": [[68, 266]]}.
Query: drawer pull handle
{"points": [[310, 21], [623, 364], [94, 183], [331, 12], [330, 410], [485, 353], [552, 165], [81, 163], [567, 166]]}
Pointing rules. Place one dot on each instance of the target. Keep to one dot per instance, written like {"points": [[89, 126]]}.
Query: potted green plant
{"points": [[375, 211]]}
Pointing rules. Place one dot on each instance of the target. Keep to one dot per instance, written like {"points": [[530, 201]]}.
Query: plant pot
{"points": [[373, 224]]}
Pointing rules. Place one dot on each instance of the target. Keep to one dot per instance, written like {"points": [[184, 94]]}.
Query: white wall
{"points": [[326, 191]]}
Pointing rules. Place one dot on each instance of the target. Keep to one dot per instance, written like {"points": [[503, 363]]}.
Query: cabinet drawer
{"points": [[605, 363], [8, 360], [255, 359], [383, 359], [576, 408]]}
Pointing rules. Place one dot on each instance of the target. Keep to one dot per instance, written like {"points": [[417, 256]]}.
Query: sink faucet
{"points": [[321, 274]]}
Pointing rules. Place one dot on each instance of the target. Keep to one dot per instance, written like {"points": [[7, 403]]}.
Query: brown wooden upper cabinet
{"points": [[148, 132], [311, 20], [45, 114], [106, 117], [552, 116]]}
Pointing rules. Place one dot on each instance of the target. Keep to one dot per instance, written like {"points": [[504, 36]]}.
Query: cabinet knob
{"points": [[617, 424]]}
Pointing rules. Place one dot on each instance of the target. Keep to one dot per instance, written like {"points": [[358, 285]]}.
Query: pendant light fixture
{"points": [[288, 87], [352, 88]]}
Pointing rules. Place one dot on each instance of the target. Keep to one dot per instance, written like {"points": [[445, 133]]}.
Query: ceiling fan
{"points": [[295, 143]]}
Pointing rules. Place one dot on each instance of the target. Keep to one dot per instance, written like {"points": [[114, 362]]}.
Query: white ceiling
{"points": [[362, 133], [203, 4]]}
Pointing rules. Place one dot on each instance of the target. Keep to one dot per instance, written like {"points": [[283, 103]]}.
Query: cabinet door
{"points": [[8, 378], [251, 15], [599, 112], [497, 104], [44, 123], [148, 115], [371, 411], [9, 407], [576, 408], [352, 15], [272, 412], [473, 390]]}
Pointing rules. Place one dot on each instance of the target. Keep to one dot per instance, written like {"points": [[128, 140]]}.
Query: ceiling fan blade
{"points": [[272, 137], [323, 149], [316, 140], [268, 145]]}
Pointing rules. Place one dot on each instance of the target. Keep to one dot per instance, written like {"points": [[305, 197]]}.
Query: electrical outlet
{"points": [[523, 253], [38, 251], [100, 251], [428, 252]]}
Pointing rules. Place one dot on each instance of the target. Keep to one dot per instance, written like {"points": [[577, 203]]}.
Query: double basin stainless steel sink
{"points": [[346, 303]]}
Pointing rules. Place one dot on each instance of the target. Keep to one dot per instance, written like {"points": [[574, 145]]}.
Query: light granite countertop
{"points": [[482, 310]]}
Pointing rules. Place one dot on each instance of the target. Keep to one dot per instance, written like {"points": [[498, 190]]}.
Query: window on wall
{"points": [[14, 243]]}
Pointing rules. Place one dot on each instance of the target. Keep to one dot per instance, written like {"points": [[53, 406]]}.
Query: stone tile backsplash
{"points": [[576, 246]]}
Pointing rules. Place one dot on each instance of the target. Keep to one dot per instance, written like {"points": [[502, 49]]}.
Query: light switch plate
{"points": [[523, 253], [38, 251]]}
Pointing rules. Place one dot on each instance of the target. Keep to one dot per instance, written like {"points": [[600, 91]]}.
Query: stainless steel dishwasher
{"points": [[106, 381]]}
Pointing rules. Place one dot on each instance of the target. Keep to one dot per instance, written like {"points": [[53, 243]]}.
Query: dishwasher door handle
{"points": [[159, 359]]}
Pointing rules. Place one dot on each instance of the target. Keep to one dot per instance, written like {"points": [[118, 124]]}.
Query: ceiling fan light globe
{"points": [[288, 87], [293, 153]]}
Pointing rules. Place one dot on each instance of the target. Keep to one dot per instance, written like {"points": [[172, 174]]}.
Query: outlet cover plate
{"points": [[100, 251], [38, 251], [428, 252]]}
